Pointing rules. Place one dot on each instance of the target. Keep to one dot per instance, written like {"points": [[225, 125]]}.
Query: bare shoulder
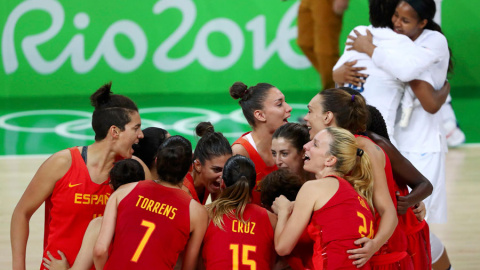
{"points": [[122, 192], [54, 168], [197, 208], [198, 216], [61, 159], [273, 219], [320, 191], [238, 149], [126, 188], [314, 188], [373, 150], [148, 174]]}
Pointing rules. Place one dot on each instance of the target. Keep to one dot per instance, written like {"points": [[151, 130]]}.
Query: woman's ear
{"points": [[259, 115], [331, 160], [328, 119], [197, 165], [114, 131], [423, 23]]}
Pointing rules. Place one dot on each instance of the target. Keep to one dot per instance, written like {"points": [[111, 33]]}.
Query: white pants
{"points": [[432, 166]]}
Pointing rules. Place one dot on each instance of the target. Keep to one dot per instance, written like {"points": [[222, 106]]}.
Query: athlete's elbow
{"points": [[283, 250], [99, 253], [428, 188], [433, 108]]}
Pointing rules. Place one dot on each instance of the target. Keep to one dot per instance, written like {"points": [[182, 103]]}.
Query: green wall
{"points": [[221, 42]]}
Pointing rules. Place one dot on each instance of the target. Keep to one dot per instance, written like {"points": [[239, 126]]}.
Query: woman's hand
{"points": [[360, 43], [54, 264], [403, 203], [282, 204], [349, 74], [363, 254], [420, 211]]}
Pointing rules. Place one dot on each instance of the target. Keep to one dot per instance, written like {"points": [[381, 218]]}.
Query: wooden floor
{"points": [[461, 234]]}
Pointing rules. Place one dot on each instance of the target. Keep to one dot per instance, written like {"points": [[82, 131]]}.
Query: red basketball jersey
{"points": [[240, 245], [260, 167], [345, 218], [301, 256], [153, 227], [418, 237], [393, 254], [188, 183], [74, 202]]}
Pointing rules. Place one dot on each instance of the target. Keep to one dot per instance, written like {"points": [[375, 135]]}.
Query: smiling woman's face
{"points": [[275, 109], [316, 152], [287, 156], [407, 22], [315, 116], [211, 173]]}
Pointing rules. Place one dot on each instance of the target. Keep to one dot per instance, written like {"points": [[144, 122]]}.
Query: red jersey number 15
{"points": [[245, 260]]}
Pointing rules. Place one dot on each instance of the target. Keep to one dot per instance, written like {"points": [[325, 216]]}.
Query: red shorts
{"points": [[392, 261], [419, 247]]}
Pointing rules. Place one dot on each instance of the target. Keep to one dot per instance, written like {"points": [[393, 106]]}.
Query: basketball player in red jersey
{"points": [[336, 210], [73, 183], [151, 222], [265, 109], [240, 234], [209, 157], [337, 108], [146, 149], [287, 183], [287, 148], [123, 172], [408, 203]]}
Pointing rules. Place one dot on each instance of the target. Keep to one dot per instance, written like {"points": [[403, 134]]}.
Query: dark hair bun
{"points": [[204, 128], [237, 90], [101, 96]]}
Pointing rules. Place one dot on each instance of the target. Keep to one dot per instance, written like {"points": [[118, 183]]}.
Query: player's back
{"points": [[345, 218], [240, 245], [153, 227]]}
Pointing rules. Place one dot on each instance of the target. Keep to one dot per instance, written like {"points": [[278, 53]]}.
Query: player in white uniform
{"points": [[422, 140], [385, 84]]}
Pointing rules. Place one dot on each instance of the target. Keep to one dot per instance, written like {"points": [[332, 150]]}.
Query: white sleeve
{"points": [[436, 44], [426, 76], [349, 55], [402, 59]]}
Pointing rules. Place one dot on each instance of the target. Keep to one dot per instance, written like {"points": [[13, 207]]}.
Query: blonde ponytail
{"points": [[361, 177], [352, 162]]}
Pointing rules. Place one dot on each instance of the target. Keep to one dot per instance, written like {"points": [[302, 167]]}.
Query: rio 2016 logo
{"points": [[106, 49]]}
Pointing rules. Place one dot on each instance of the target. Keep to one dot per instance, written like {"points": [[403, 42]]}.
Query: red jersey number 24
{"points": [[362, 229]]}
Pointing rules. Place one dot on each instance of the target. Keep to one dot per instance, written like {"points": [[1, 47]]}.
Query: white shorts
{"points": [[432, 166]]}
